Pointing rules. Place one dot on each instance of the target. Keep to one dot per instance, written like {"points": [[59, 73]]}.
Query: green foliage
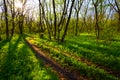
{"points": [[84, 46], [18, 62], [109, 31]]}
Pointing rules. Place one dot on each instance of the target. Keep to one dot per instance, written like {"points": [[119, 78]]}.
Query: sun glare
{"points": [[18, 5]]}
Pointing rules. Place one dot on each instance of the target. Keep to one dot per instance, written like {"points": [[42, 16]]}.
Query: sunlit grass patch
{"points": [[73, 46], [85, 46], [18, 62]]}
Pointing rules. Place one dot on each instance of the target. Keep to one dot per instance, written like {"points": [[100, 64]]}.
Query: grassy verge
{"points": [[70, 46], [18, 62], [104, 53]]}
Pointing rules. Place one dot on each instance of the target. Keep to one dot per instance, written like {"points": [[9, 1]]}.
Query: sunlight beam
{"points": [[18, 5]]}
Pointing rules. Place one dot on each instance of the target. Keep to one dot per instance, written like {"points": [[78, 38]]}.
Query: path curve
{"points": [[61, 71]]}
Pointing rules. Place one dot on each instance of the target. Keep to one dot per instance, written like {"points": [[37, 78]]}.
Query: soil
{"points": [[62, 72]]}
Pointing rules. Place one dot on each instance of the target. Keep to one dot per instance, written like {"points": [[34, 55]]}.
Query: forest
{"points": [[59, 39]]}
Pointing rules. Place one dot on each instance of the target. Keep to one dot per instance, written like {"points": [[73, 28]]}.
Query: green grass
{"points": [[104, 53], [18, 62], [84, 46]]}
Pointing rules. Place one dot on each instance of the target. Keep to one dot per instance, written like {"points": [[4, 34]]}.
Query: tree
{"points": [[97, 27], [55, 18], [0, 26], [62, 17], [78, 5], [116, 6], [21, 15], [84, 15], [48, 18], [12, 9], [6, 19], [67, 24], [41, 22]]}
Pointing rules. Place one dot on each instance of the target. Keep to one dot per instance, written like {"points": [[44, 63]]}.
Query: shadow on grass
{"points": [[7, 67], [95, 53], [21, 64], [2, 43], [94, 47]]}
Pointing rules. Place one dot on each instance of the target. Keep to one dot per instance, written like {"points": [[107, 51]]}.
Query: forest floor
{"points": [[78, 58], [18, 62], [84, 58], [62, 72]]}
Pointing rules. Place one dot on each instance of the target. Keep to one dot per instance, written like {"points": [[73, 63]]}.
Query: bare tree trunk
{"points": [[13, 26], [40, 18], [67, 24], [19, 24], [0, 33], [13, 16], [96, 24], [49, 26], [55, 19], [97, 29], [62, 19], [119, 22], [30, 26], [85, 15], [116, 7], [6, 20], [11, 4], [76, 31], [78, 6], [0, 28], [21, 20]]}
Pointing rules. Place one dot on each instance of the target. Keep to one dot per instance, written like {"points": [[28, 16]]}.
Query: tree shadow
{"points": [[7, 66], [94, 47], [97, 54], [18, 63], [2, 43]]}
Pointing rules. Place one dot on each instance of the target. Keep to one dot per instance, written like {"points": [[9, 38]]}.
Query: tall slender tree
{"points": [[78, 5], [116, 6], [6, 19], [97, 27], [67, 24], [11, 4], [55, 19]]}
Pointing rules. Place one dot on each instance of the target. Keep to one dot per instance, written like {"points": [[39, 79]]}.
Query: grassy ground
{"points": [[103, 53], [18, 62]]}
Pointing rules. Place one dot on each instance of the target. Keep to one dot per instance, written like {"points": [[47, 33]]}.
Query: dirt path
{"points": [[89, 63], [61, 72]]}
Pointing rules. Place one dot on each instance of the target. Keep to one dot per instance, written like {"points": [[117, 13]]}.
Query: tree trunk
{"points": [[55, 19], [40, 20], [0, 38], [119, 22], [97, 29], [13, 16], [6, 20], [67, 24], [13, 26], [76, 31], [21, 24], [62, 19], [78, 5], [0, 34]]}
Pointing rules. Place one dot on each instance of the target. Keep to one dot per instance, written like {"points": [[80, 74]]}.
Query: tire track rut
{"points": [[62, 72]]}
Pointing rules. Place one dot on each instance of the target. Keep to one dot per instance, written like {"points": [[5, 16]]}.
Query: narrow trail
{"points": [[61, 72]]}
